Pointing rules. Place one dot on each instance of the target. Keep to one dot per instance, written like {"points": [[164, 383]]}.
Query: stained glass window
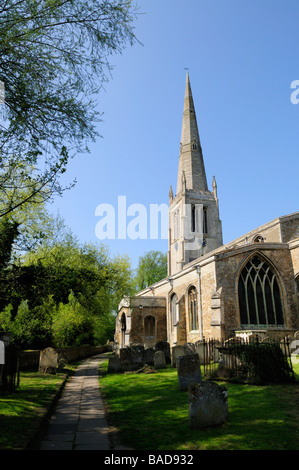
{"points": [[259, 294]]}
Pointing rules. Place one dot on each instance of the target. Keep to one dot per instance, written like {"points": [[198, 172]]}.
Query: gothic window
{"points": [[205, 220], [123, 328], [259, 294], [176, 224], [192, 301], [149, 326], [174, 309], [193, 212], [195, 228]]}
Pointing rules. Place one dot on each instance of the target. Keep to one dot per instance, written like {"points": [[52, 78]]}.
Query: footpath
{"points": [[79, 421]]}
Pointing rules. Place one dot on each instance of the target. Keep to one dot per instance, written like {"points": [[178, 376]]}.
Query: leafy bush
{"points": [[72, 325], [264, 362]]}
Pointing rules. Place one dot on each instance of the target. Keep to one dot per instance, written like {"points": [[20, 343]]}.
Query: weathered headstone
{"points": [[189, 372], [48, 361], [137, 354], [159, 360], [176, 352], [207, 405], [114, 364], [2, 353], [202, 350], [61, 361], [149, 356], [189, 348], [125, 355], [165, 347]]}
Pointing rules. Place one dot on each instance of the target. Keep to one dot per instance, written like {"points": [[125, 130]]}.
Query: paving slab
{"points": [[79, 421]]}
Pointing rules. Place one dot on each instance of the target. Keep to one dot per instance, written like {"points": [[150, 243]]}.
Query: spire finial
{"points": [[170, 193]]}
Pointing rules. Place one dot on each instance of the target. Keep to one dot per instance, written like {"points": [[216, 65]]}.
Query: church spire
{"points": [[194, 224], [191, 159]]}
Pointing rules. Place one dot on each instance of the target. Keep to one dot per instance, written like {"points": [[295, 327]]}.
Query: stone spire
{"points": [[191, 158], [194, 224]]}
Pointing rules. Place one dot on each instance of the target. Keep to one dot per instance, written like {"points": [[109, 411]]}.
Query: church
{"points": [[247, 287]]}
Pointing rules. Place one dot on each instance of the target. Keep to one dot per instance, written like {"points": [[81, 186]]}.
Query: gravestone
{"points": [[188, 368], [62, 361], [164, 346], [207, 405], [176, 352], [114, 364], [137, 354], [48, 361], [149, 356], [125, 355], [159, 360], [189, 348], [2, 353]]}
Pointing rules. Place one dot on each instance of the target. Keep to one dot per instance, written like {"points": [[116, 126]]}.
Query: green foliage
{"points": [[54, 60], [31, 328], [264, 362], [152, 267], [8, 233], [64, 293], [72, 324], [6, 319]]}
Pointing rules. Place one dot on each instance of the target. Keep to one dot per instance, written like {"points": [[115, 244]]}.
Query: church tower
{"points": [[194, 224]]}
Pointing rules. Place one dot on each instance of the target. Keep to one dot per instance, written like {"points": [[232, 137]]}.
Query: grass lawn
{"points": [[21, 412], [151, 413]]}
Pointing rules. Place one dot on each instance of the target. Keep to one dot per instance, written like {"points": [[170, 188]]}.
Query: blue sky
{"points": [[242, 58]]}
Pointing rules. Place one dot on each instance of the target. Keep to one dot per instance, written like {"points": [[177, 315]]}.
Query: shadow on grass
{"points": [[151, 413]]}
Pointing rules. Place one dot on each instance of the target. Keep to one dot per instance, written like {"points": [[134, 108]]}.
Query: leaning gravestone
{"points": [[48, 361], [207, 405], [188, 368], [159, 360], [189, 348]]}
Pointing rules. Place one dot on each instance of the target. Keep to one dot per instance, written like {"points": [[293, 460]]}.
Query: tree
{"points": [[53, 62], [8, 232], [64, 291], [152, 267]]}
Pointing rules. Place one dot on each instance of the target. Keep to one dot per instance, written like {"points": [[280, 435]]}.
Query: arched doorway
{"points": [[123, 329]]}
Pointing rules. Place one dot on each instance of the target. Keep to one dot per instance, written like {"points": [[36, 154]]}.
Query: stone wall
{"points": [[30, 359], [228, 267], [134, 311], [215, 276]]}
